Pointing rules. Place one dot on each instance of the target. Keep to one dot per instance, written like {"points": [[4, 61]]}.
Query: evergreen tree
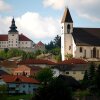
{"points": [[92, 71], [85, 80], [86, 76], [97, 79]]}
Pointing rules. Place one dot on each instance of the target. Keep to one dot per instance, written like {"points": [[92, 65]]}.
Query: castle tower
{"points": [[13, 36], [66, 36]]}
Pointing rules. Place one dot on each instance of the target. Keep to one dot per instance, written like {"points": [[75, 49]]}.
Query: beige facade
{"points": [[78, 75]]}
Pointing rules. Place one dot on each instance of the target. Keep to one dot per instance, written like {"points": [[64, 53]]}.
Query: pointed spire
{"points": [[66, 17], [13, 26]]}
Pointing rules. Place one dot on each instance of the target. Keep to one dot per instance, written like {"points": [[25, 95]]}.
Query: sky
{"points": [[40, 19]]}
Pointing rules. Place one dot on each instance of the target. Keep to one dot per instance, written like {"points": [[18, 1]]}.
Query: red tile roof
{"points": [[3, 37], [8, 64], [21, 38], [36, 61], [73, 61], [22, 79], [39, 44], [25, 67]]}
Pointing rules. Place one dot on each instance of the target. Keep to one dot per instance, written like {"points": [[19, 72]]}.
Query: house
{"points": [[9, 66], [37, 62], [26, 70], [80, 42], [71, 67], [70, 81], [39, 46], [15, 40], [20, 84]]}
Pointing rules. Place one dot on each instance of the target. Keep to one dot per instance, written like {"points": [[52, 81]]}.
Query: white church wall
{"points": [[88, 52]]}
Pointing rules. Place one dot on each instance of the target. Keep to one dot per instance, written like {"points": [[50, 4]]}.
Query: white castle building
{"points": [[14, 40], [79, 42]]}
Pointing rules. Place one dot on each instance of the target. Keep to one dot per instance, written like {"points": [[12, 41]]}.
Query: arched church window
{"points": [[80, 49], [68, 28], [94, 52]]}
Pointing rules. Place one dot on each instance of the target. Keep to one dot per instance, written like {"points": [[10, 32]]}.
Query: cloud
{"points": [[89, 9], [4, 6], [34, 26], [55, 3]]}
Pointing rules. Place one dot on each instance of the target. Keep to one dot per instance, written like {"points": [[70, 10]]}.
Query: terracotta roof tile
{"points": [[3, 37], [39, 44], [26, 67], [73, 61], [23, 79], [36, 61], [23, 38]]}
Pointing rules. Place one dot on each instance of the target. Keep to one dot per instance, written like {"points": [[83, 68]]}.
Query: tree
{"points": [[56, 51], [68, 56], [57, 89], [45, 75], [92, 71], [57, 41], [3, 92], [85, 80], [97, 78]]}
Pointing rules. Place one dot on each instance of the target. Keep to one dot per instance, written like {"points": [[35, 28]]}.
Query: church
{"points": [[15, 40], [79, 42]]}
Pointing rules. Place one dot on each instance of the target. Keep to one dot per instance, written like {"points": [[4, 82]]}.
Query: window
{"points": [[62, 27], [69, 47], [94, 52], [97, 53], [82, 72], [81, 49], [84, 53], [23, 86], [68, 28], [67, 72], [74, 72]]}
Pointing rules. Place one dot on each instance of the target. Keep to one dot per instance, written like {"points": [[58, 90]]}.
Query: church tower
{"points": [[66, 34], [13, 36]]}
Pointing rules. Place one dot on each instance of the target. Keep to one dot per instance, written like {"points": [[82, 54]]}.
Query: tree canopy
{"points": [[55, 90], [45, 75]]}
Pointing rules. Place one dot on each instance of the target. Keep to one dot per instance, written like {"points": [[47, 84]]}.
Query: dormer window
{"points": [[68, 28]]}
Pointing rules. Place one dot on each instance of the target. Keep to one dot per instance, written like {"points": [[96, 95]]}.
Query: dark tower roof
{"points": [[13, 26], [66, 16]]}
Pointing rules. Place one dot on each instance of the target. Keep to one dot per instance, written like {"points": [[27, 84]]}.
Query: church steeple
{"points": [[66, 16], [13, 27]]}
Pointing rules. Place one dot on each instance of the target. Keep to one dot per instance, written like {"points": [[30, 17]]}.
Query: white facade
{"points": [[13, 39], [67, 42], [72, 44]]}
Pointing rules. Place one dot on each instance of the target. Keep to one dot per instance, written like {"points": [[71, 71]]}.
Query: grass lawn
{"points": [[18, 97]]}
